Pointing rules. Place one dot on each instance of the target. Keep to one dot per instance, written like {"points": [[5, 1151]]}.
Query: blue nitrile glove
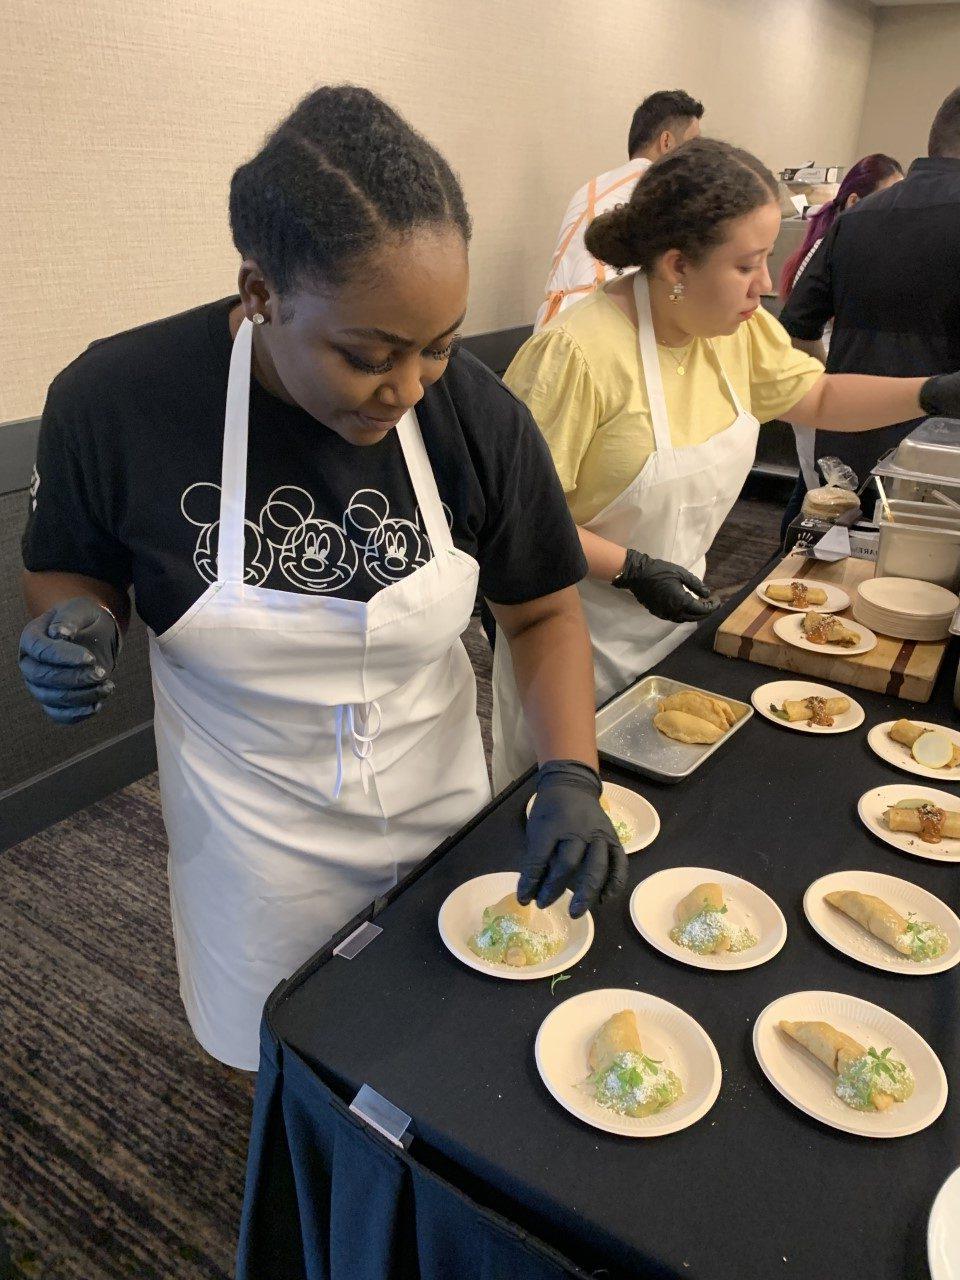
{"points": [[940, 396], [66, 657], [571, 842], [664, 588]]}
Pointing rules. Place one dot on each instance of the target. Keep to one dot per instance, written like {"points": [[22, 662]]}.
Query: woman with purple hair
{"points": [[873, 173]]}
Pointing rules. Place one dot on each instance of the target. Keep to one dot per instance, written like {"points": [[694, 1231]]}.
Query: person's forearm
{"points": [[43, 591], [604, 558], [553, 666], [858, 402]]}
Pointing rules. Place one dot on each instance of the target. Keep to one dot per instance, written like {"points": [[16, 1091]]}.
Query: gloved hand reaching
{"points": [[664, 588], [571, 842], [940, 395], [66, 657]]}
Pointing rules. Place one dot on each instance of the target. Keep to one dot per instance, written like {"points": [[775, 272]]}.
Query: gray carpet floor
{"points": [[122, 1146]]}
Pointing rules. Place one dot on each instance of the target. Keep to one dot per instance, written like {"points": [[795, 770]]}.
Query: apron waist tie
{"points": [[358, 716]]}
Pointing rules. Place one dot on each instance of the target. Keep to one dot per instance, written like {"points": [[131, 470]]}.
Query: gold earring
{"points": [[677, 292], [258, 317]]}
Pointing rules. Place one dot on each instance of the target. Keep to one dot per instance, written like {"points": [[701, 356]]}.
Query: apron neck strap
{"points": [[233, 477], [424, 483], [651, 363]]}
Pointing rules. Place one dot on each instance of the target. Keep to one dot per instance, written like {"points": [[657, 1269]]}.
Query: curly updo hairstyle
{"points": [[682, 202], [341, 174]]}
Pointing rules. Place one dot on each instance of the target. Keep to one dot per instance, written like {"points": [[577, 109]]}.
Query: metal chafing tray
{"points": [[628, 738]]}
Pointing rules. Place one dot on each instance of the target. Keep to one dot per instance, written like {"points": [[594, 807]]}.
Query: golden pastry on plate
{"points": [[702, 925], [826, 628], [517, 935], [916, 939], [935, 750], [798, 594], [818, 711], [866, 1080], [925, 819], [624, 1079]]}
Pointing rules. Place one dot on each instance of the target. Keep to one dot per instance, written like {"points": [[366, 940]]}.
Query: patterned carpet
{"points": [[122, 1146]]}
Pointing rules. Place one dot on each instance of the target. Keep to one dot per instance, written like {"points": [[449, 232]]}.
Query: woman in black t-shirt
{"points": [[306, 560]]}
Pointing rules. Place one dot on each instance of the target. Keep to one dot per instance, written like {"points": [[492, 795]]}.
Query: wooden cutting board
{"points": [[898, 668]]}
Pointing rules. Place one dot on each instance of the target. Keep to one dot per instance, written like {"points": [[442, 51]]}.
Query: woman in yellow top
{"points": [[650, 394]]}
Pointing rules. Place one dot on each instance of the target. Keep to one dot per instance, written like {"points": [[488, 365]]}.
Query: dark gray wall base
{"points": [[51, 796]]}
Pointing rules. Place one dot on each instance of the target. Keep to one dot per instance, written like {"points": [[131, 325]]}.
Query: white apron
{"points": [[311, 750], [672, 511]]}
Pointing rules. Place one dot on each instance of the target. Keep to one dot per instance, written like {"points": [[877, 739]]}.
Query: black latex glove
{"points": [[940, 396], [664, 588], [66, 657], [571, 843]]}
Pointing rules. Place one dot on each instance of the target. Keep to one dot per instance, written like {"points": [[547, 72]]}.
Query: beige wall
{"points": [[916, 63], [123, 120]]}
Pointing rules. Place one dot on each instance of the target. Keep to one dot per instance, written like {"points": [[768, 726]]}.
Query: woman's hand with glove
{"points": [[664, 589], [66, 657], [571, 843]]}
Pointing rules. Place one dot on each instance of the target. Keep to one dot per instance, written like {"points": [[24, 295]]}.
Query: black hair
{"points": [[681, 202], [945, 130], [340, 174], [658, 112]]}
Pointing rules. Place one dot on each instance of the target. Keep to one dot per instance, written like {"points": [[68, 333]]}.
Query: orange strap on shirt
{"points": [[556, 296]]}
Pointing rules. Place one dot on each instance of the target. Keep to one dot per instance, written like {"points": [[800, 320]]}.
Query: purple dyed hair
{"points": [[862, 180]]}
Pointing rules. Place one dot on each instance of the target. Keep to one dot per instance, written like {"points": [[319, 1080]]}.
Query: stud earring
{"points": [[258, 317], [677, 292]]}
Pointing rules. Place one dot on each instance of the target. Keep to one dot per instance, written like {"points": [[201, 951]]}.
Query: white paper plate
{"points": [[943, 1231], [808, 1084], [902, 628], [462, 912], [778, 691], [854, 941], [666, 1033], [629, 807], [790, 629], [837, 598], [908, 597], [652, 906], [873, 804], [899, 756]]}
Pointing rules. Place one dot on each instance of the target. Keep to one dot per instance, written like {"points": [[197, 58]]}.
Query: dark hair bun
{"points": [[612, 237], [682, 202]]}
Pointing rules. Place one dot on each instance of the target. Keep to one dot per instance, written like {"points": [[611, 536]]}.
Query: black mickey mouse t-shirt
{"points": [[127, 481]]}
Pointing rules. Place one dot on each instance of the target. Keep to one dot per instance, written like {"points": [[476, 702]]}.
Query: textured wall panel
{"points": [[123, 121]]}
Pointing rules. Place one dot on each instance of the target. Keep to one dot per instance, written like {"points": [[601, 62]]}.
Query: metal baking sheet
{"points": [[628, 738]]}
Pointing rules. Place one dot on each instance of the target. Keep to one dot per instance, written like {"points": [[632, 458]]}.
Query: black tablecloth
{"points": [[499, 1181]]}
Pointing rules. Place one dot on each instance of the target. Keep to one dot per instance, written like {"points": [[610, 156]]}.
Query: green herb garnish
{"points": [[779, 713], [880, 1063], [560, 977]]}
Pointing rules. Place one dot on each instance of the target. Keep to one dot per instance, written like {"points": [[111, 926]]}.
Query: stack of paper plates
{"points": [[905, 608]]}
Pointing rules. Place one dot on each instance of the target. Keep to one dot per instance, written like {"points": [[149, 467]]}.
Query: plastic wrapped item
{"points": [[836, 499]]}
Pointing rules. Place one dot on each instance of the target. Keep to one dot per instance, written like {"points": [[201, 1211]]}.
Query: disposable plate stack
{"points": [[905, 608]]}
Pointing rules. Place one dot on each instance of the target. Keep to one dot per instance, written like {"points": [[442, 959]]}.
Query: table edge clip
{"points": [[382, 1115], [354, 943]]}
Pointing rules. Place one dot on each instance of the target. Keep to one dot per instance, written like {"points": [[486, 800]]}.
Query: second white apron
{"points": [[671, 510]]}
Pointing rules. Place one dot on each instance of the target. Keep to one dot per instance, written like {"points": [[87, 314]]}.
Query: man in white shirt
{"points": [[661, 121]]}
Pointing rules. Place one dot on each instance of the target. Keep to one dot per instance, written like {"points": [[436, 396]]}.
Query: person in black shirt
{"points": [[888, 275], [304, 485]]}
